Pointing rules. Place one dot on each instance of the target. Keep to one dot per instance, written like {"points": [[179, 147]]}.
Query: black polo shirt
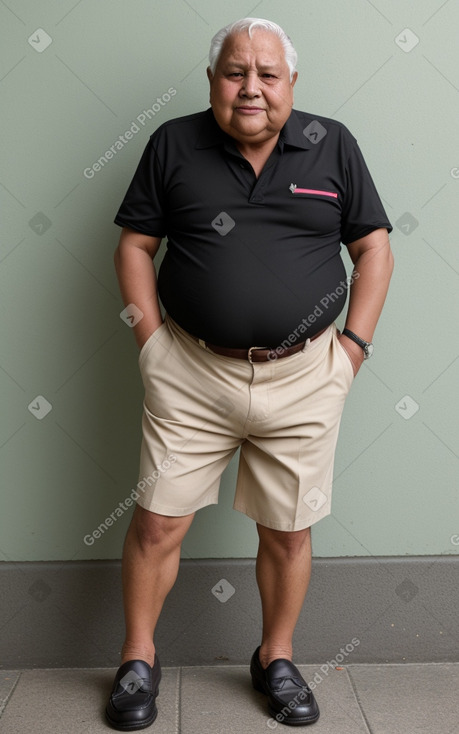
{"points": [[252, 262]]}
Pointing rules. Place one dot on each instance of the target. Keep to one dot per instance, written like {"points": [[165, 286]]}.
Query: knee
{"points": [[153, 530], [285, 543]]}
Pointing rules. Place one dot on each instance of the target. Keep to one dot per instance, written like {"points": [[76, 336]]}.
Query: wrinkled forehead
{"points": [[263, 49]]}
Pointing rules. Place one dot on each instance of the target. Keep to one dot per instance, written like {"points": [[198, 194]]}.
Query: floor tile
{"points": [[73, 702], [221, 699], [409, 699]]}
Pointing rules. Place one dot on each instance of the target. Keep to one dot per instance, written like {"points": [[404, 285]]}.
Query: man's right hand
{"points": [[137, 279]]}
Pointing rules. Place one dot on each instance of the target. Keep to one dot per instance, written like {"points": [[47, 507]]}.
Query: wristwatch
{"points": [[366, 346]]}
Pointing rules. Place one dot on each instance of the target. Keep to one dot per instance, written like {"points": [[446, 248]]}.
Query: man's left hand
{"points": [[354, 352]]}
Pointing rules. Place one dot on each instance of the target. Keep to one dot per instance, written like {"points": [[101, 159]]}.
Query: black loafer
{"points": [[290, 699], [132, 700]]}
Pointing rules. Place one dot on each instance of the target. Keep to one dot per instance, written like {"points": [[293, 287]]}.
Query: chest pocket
{"points": [[316, 210], [298, 192]]}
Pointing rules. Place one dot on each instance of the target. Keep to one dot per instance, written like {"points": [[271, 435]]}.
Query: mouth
{"points": [[249, 110]]}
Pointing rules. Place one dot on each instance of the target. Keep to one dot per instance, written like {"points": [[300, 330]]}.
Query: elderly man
{"points": [[254, 199]]}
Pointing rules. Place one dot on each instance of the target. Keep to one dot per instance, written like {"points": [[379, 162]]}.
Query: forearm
{"points": [[373, 265], [137, 281], [373, 270]]}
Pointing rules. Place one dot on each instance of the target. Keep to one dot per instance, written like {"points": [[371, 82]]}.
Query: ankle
{"points": [[132, 651], [269, 652]]}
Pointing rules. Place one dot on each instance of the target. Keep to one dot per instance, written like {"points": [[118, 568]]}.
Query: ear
{"points": [[210, 77], [294, 78]]}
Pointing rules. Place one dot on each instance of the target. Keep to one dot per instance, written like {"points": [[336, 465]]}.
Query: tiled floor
{"points": [[356, 699]]}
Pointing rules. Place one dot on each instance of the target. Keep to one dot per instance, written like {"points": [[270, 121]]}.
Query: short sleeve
{"points": [[142, 208], [362, 211]]}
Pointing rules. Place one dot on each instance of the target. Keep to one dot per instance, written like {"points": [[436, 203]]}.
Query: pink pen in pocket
{"points": [[318, 192]]}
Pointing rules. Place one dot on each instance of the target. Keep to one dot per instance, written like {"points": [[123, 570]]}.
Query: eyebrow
{"points": [[261, 67]]}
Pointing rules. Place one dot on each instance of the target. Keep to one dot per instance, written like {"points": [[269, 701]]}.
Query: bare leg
{"points": [[151, 558], [283, 571]]}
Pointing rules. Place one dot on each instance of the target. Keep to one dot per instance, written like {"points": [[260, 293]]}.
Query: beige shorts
{"points": [[284, 414]]}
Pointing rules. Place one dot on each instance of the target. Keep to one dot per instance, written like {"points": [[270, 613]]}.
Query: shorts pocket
{"points": [[152, 339], [344, 357]]}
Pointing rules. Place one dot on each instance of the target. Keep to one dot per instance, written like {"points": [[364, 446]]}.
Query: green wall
{"points": [[61, 336]]}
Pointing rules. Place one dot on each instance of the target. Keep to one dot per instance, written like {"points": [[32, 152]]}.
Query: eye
{"points": [[236, 73], [268, 76]]}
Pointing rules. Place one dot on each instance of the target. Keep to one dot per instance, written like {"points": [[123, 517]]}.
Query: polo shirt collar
{"points": [[292, 133], [211, 133]]}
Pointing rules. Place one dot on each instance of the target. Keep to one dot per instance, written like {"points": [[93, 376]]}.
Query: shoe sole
{"points": [[134, 726]]}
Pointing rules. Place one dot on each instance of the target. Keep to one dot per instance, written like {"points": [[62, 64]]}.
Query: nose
{"points": [[250, 86]]}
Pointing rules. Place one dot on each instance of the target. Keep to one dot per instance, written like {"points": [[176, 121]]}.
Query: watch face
{"points": [[369, 348]]}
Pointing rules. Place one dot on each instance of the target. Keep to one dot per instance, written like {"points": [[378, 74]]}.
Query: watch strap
{"points": [[361, 342], [366, 346]]}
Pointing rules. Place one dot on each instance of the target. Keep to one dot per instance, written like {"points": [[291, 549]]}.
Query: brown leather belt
{"points": [[258, 354]]}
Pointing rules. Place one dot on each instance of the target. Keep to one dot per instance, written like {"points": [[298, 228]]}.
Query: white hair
{"points": [[248, 24]]}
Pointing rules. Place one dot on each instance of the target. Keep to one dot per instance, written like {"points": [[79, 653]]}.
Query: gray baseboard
{"points": [[357, 610]]}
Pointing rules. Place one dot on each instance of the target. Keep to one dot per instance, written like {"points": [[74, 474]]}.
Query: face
{"points": [[251, 93]]}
